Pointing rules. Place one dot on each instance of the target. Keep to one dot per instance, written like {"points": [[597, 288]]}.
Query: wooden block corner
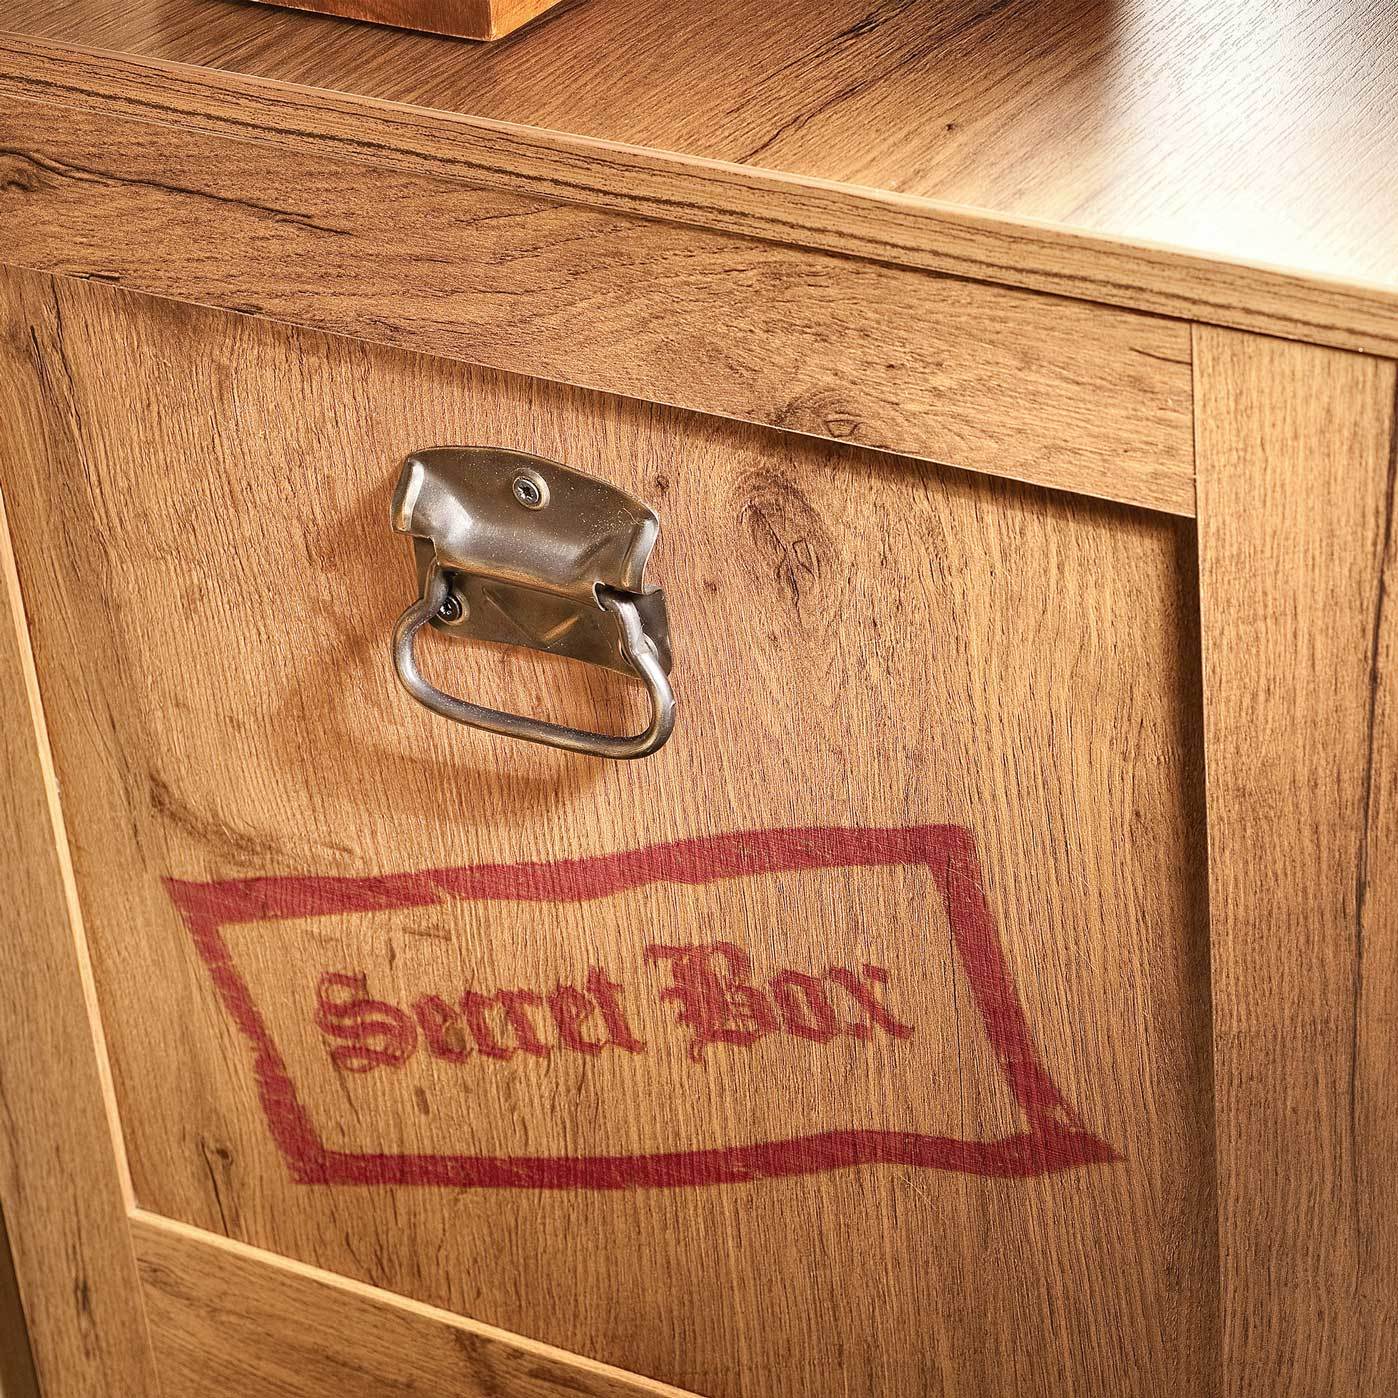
{"points": [[462, 19]]}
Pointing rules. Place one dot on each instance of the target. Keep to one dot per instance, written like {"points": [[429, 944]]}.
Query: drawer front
{"points": [[856, 1042]]}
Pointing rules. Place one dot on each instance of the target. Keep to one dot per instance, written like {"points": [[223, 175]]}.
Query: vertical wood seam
{"points": [[1361, 898], [1220, 1234]]}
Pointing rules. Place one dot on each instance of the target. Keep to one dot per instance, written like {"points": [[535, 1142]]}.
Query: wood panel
{"points": [[467, 19], [1087, 148], [231, 1319], [1296, 487], [930, 822], [1080, 396], [62, 1182]]}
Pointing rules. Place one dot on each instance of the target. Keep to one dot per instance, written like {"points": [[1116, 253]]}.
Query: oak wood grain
{"points": [[63, 1186], [1082, 397], [1297, 557], [863, 643], [467, 19], [1222, 162], [226, 1318]]}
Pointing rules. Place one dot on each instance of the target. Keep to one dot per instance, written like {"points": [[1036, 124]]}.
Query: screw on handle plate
{"points": [[522, 551]]}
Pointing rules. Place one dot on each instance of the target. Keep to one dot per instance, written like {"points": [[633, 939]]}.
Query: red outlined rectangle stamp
{"points": [[757, 1045]]}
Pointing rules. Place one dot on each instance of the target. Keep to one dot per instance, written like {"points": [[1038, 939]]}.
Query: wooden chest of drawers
{"points": [[989, 987]]}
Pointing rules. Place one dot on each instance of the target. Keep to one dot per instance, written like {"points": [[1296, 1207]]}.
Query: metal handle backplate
{"points": [[519, 550]]}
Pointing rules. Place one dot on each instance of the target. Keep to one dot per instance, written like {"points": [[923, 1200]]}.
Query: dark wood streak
{"points": [[221, 1153], [64, 170]]}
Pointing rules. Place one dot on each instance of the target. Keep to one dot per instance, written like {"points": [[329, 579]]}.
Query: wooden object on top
{"points": [[1236, 164], [466, 19]]}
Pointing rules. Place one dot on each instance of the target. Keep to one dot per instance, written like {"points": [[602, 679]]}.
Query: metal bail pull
{"points": [[522, 551]]}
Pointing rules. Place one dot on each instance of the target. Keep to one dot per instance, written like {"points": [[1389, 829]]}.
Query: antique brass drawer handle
{"points": [[521, 551]]}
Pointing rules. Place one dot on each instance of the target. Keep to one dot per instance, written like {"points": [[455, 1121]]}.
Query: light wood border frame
{"points": [[227, 1318], [64, 1185]]}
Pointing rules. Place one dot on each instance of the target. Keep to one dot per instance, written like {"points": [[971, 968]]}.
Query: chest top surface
{"points": [[1264, 132]]}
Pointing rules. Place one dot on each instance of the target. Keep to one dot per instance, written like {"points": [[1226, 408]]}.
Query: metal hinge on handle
{"points": [[518, 550]]}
